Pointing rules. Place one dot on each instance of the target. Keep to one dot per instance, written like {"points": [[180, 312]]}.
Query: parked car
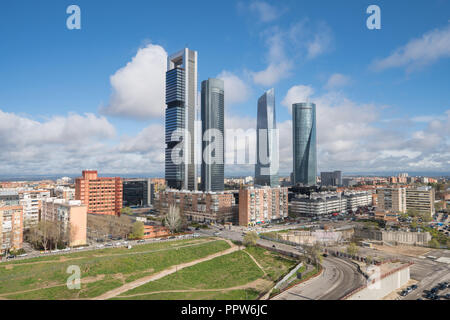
{"points": [[404, 293], [11, 256], [141, 241]]}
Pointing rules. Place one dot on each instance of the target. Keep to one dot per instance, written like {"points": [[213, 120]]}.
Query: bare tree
{"points": [[172, 219]]}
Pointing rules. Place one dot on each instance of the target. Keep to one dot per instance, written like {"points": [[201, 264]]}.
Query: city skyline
{"points": [[370, 99]]}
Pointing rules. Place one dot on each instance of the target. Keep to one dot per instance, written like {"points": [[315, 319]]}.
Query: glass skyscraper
{"points": [[304, 143], [266, 168], [181, 100], [212, 114]]}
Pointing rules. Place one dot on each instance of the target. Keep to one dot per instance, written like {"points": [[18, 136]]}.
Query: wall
{"points": [[387, 284]]}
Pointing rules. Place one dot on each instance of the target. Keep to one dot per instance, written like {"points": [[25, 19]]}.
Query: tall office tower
{"points": [[266, 168], [181, 100], [213, 120], [304, 141], [331, 178]]}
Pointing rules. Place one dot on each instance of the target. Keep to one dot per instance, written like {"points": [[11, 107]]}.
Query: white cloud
{"points": [[418, 52], [236, 90], [320, 43], [265, 11], [337, 80], [297, 94], [279, 66], [138, 89]]}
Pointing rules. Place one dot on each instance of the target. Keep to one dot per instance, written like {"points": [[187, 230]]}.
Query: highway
{"points": [[338, 278]]}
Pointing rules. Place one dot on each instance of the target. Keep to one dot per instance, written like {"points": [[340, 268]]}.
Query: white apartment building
{"points": [[31, 201]]}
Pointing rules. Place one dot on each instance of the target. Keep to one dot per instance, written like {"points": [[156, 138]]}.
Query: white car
{"points": [[55, 251], [80, 248], [23, 255], [66, 249], [100, 246]]}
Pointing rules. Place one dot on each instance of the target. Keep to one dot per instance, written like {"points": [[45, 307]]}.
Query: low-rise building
{"points": [[198, 206], [153, 231]]}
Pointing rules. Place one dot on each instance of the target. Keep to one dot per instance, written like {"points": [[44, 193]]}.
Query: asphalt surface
{"points": [[338, 278]]}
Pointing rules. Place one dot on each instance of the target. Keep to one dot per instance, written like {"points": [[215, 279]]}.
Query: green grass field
{"points": [[230, 271], [29, 279]]}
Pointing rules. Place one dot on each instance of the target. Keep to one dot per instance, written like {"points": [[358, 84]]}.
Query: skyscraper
{"points": [[181, 100], [331, 178], [266, 168], [212, 115], [304, 143]]}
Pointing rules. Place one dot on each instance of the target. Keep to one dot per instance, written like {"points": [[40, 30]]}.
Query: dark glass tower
{"points": [[304, 143], [266, 168], [181, 100], [212, 114]]}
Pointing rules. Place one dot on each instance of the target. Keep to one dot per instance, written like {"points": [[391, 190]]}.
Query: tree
{"points": [[314, 252], [138, 230], [126, 210], [433, 243], [352, 249], [172, 219], [250, 238], [412, 212], [369, 259]]}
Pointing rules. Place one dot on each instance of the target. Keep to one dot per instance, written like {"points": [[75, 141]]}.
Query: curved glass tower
{"points": [[213, 106], [304, 143], [266, 169]]}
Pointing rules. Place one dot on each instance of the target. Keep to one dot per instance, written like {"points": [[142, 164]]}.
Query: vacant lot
{"points": [[238, 275], [101, 270]]}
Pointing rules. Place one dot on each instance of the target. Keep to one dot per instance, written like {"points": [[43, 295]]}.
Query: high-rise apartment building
{"points": [[31, 200], [267, 162], [213, 134], [181, 101], [420, 199], [391, 199], [304, 143], [262, 205], [331, 178], [100, 195], [11, 227]]}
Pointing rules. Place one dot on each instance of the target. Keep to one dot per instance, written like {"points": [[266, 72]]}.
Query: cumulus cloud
{"points": [[350, 137], [320, 43], [418, 52], [297, 94], [236, 90], [138, 89], [337, 80]]}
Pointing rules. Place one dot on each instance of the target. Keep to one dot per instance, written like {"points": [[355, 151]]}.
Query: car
{"points": [[100, 246], [273, 246], [404, 293], [80, 248], [414, 287], [434, 290], [108, 245], [141, 241], [55, 251], [171, 237], [325, 255], [11, 256]]}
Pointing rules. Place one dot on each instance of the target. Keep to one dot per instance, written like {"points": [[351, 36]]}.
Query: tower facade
{"points": [[213, 130], [266, 168], [181, 101], [304, 143]]}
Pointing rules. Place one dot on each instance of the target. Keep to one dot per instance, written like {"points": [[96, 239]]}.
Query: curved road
{"points": [[338, 278]]}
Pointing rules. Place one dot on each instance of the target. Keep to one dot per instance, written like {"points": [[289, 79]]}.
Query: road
{"points": [[338, 278]]}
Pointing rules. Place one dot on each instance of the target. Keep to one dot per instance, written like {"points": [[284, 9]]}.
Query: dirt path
{"points": [[254, 284], [256, 262], [137, 283]]}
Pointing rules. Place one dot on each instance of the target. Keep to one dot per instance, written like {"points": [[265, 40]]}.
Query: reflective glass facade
{"points": [[212, 110], [266, 168], [304, 143], [181, 101]]}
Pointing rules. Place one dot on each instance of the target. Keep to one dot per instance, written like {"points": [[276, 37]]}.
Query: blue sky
{"points": [[371, 86]]}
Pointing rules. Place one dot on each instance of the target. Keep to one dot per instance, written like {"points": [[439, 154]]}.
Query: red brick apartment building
{"points": [[155, 231], [100, 195]]}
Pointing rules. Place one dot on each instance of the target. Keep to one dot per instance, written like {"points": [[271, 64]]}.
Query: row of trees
{"points": [[47, 235]]}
